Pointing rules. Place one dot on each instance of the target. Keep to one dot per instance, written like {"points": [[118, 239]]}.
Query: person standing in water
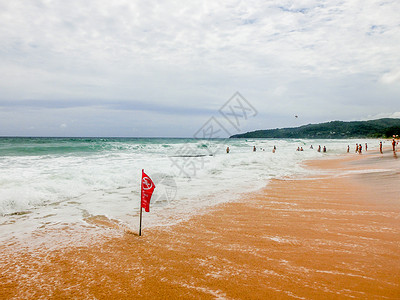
{"points": [[394, 145], [359, 149], [319, 148], [366, 147], [324, 150], [254, 149], [380, 148], [227, 149]]}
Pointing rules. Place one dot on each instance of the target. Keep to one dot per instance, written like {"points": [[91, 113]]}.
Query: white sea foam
{"points": [[63, 188]]}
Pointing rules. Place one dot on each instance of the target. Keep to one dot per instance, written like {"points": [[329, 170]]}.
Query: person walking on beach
{"points": [[348, 148], [366, 147], [359, 149], [380, 148], [356, 148], [394, 145]]}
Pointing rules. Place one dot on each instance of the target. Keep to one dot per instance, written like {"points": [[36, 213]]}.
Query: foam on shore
{"points": [[335, 236]]}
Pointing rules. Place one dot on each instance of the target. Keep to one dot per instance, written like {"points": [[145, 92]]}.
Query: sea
{"points": [[57, 183]]}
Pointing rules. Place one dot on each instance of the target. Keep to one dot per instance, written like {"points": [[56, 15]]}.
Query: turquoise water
{"points": [[20, 146]]}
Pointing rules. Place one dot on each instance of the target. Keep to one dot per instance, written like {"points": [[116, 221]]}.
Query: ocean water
{"points": [[50, 182]]}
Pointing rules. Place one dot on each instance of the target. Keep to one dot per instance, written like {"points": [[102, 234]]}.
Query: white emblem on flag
{"points": [[147, 184]]}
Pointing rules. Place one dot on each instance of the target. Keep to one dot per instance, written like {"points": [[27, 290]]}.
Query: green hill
{"points": [[380, 128]]}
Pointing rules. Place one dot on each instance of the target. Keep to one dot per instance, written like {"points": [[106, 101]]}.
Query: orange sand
{"points": [[325, 238]]}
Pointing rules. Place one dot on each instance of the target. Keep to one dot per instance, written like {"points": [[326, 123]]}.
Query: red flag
{"points": [[147, 190]]}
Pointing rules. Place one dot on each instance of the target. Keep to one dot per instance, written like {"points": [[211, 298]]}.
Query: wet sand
{"points": [[335, 236]]}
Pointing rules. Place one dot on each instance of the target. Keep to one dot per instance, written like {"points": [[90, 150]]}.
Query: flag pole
{"points": [[141, 196], [140, 224]]}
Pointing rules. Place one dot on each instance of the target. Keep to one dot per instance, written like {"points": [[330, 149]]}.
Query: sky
{"points": [[166, 68]]}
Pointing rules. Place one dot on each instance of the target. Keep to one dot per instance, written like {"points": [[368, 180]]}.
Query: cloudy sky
{"points": [[163, 68]]}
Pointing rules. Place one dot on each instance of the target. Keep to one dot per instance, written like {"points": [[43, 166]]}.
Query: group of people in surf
{"points": [[255, 149], [358, 149], [274, 149], [311, 147]]}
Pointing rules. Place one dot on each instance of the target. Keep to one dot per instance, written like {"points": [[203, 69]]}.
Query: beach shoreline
{"points": [[333, 236]]}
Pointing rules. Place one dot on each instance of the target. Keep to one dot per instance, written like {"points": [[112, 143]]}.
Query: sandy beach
{"points": [[335, 235]]}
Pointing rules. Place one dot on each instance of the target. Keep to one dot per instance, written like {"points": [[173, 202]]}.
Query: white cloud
{"points": [[303, 55], [391, 77], [384, 115]]}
